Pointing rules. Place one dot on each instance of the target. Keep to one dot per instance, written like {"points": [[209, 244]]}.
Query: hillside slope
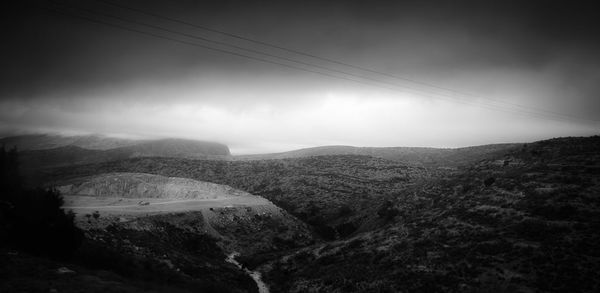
{"points": [[336, 195], [432, 157], [50, 141], [140, 185], [40, 152], [526, 221], [238, 220]]}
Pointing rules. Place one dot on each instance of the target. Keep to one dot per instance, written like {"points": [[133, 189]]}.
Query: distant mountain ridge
{"points": [[410, 155], [50, 141], [42, 151], [142, 147], [56, 150]]}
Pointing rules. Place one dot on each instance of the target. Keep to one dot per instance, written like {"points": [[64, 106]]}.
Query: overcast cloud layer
{"points": [[65, 74]]}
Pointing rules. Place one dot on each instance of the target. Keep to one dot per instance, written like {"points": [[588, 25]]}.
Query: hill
{"points": [[500, 218], [239, 221], [167, 234], [525, 221], [49, 141], [336, 195], [37, 152], [431, 157], [168, 147], [140, 185]]}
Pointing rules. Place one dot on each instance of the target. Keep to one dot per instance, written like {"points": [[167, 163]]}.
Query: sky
{"points": [[438, 73]]}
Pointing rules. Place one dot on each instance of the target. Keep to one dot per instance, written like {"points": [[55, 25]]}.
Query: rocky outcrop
{"points": [[141, 185]]}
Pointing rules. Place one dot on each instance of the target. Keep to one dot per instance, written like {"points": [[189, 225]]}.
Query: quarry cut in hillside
{"points": [[141, 185], [142, 203]]}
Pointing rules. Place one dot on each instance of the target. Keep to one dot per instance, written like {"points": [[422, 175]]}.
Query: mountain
{"points": [[432, 157], [520, 219], [497, 218], [168, 147], [37, 152], [523, 221], [171, 147], [49, 141]]}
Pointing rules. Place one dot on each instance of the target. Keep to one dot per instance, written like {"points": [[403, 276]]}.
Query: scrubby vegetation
{"points": [[39, 238], [33, 219], [518, 219], [533, 228], [336, 195], [167, 251]]}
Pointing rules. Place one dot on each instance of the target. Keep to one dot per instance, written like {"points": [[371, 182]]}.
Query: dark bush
{"points": [[345, 229], [489, 181], [325, 231], [387, 211], [33, 219], [345, 210]]}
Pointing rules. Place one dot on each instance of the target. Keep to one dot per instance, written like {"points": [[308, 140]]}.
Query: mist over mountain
{"points": [[50, 141], [142, 147]]}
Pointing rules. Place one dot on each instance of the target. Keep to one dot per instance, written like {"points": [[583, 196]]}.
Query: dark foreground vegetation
{"points": [[32, 219], [42, 250]]}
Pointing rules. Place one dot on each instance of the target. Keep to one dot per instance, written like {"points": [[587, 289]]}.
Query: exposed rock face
{"points": [[140, 185], [228, 220]]}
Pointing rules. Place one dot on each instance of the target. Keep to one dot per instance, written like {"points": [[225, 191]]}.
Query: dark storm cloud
{"points": [[45, 52], [58, 69]]}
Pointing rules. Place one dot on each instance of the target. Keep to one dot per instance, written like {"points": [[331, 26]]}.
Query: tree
{"points": [[33, 218]]}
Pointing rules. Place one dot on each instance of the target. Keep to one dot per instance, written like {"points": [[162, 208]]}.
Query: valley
{"points": [[508, 218]]}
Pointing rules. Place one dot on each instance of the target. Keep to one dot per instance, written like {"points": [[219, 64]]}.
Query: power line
{"points": [[202, 46], [249, 50], [227, 44], [491, 107], [237, 36]]}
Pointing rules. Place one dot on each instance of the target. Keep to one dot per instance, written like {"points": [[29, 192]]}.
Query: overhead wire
{"points": [[403, 88], [362, 68]]}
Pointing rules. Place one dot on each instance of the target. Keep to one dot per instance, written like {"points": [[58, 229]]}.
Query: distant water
{"points": [[262, 287]]}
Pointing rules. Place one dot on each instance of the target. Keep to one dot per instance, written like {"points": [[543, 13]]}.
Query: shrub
{"points": [[387, 211], [32, 219]]}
